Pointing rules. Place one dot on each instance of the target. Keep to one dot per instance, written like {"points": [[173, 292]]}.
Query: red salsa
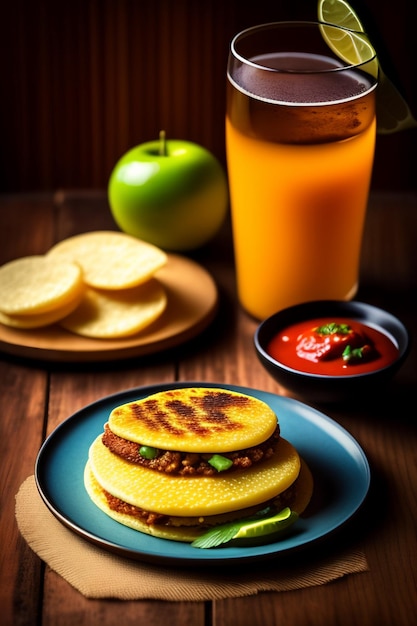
{"points": [[333, 346]]}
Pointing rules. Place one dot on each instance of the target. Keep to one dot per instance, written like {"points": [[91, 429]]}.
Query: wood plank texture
{"points": [[84, 81], [37, 397]]}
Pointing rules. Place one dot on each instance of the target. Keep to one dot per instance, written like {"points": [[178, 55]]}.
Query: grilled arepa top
{"points": [[195, 496], [195, 419]]}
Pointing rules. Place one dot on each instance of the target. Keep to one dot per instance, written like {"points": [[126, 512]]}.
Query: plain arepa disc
{"points": [[108, 314], [111, 260], [194, 496], [37, 284]]}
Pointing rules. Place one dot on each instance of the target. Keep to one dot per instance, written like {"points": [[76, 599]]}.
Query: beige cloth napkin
{"points": [[97, 573]]}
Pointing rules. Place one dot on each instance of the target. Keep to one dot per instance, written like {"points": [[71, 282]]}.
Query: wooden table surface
{"points": [[36, 397]]}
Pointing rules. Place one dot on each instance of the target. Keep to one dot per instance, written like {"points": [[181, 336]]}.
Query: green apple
{"points": [[171, 193]]}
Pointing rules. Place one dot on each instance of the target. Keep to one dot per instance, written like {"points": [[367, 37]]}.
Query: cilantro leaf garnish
{"points": [[332, 328], [350, 354]]}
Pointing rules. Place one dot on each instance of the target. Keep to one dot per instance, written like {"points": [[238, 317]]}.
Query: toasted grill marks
{"points": [[187, 416], [200, 415], [213, 401], [207, 414], [154, 417], [195, 419], [186, 463]]}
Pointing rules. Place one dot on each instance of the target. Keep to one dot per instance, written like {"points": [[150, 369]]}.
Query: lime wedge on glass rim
{"points": [[392, 111]]}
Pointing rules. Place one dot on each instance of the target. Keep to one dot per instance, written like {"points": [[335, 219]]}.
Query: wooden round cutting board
{"points": [[192, 303]]}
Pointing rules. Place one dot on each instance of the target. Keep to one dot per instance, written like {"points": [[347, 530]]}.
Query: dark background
{"points": [[82, 81]]}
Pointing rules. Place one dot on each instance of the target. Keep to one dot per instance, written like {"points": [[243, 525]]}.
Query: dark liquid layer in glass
{"points": [[301, 103]]}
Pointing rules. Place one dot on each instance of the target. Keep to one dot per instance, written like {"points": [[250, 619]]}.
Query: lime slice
{"points": [[340, 13], [392, 111], [353, 47], [267, 526], [259, 525]]}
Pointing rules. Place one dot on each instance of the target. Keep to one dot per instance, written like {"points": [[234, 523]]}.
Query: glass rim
{"points": [[306, 23]]}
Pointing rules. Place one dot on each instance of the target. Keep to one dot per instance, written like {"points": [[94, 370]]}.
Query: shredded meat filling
{"points": [[148, 517], [187, 463]]}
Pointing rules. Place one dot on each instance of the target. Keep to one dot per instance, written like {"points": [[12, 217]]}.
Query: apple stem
{"points": [[162, 143]]}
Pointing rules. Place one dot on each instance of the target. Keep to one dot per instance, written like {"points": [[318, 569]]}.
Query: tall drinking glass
{"points": [[300, 137]]}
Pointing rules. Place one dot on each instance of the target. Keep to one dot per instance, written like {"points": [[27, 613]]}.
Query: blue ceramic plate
{"points": [[339, 466]]}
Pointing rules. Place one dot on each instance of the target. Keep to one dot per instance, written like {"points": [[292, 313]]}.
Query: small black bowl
{"points": [[328, 388]]}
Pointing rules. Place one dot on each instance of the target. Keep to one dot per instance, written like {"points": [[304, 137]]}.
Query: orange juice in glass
{"points": [[300, 136]]}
